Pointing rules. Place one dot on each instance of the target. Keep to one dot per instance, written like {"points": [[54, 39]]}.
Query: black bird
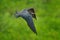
{"points": [[28, 14]]}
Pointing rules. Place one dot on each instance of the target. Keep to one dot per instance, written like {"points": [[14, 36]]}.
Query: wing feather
{"points": [[31, 24]]}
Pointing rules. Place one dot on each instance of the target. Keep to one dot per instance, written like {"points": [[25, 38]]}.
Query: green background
{"points": [[47, 23]]}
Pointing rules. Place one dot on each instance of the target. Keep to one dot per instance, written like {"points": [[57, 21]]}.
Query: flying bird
{"points": [[27, 15]]}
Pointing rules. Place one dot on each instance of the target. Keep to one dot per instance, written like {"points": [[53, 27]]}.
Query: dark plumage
{"points": [[32, 12], [27, 14]]}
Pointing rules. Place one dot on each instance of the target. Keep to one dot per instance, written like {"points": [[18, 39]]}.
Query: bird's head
{"points": [[32, 12]]}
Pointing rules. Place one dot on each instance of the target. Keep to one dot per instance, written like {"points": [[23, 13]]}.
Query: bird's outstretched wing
{"points": [[31, 24]]}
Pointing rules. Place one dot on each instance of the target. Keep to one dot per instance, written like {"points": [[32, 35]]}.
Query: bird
{"points": [[28, 14]]}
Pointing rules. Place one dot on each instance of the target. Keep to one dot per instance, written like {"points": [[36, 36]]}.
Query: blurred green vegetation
{"points": [[47, 23]]}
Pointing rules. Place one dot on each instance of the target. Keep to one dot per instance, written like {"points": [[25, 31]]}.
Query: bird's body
{"points": [[28, 18]]}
